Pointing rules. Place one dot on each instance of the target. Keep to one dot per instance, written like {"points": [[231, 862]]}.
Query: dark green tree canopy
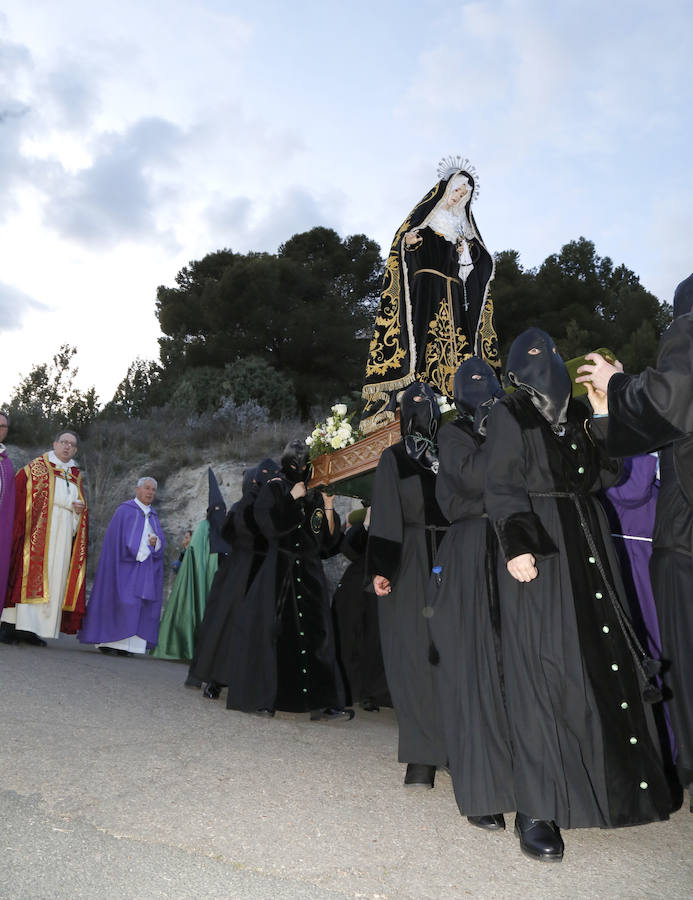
{"points": [[302, 310], [582, 301], [138, 392]]}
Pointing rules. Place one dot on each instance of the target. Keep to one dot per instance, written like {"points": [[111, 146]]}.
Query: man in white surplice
{"points": [[45, 592]]}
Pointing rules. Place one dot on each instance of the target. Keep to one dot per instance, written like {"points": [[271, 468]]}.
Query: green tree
{"points": [[138, 392], [301, 310], [582, 301], [46, 399], [199, 389], [253, 378]]}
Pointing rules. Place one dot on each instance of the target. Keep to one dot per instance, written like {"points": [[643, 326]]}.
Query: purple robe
{"points": [[631, 508], [6, 520], [127, 594], [633, 501]]}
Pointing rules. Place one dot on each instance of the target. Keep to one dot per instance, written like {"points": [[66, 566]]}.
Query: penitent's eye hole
{"points": [[476, 378], [535, 351]]}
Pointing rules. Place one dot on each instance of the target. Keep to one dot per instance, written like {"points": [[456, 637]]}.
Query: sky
{"points": [[137, 136]]}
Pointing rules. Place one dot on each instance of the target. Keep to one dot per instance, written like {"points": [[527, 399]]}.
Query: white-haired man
{"points": [[125, 604]]}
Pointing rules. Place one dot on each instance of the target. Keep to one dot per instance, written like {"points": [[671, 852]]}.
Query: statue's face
{"points": [[459, 192], [460, 188]]}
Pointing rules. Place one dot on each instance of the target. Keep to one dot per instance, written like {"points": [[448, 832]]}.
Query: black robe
{"points": [[406, 527], [646, 412], [585, 750], [465, 628], [282, 647], [356, 625], [231, 581]]}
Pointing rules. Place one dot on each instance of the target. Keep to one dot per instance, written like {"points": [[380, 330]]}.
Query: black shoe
{"points": [[212, 690], [120, 652], [420, 775], [192, 682], [494, 822], [369, 705], [28, 637], [7, 633], [265, 713], [108, 651], [332, 714], [539, 838]]}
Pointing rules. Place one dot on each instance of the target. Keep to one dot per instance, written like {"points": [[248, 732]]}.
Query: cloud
{"points": [[14, 305], [229, 215], [571, 78], [265, 223], [70, 90], [15, 63], [118, 196]]}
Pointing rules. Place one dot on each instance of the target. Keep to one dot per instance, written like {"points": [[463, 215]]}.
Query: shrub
{"points": [[253, 378]]}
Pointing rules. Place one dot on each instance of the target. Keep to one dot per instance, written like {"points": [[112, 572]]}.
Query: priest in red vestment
{"points": [[6, 507], [46, 585]]}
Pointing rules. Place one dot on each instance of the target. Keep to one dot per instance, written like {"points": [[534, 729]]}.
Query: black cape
{"points": [[646, 412], [406, 527], [231, 581], [585, 750]]}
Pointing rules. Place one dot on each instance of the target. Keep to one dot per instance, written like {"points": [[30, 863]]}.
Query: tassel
{"points": [[652, 694], [651, 667]]}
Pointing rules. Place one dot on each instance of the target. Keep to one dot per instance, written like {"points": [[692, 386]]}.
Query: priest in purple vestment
{"points": [[125, 605], [6, 508]]}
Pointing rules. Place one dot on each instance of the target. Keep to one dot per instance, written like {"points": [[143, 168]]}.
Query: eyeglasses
{"points": [[67, 443]]}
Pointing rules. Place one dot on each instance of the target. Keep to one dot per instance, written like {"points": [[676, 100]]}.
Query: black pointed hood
{"points": [[534, 366], [683, 297], [257, 476], [476, 389], [216, 515], [295, 462], [419, 419]]}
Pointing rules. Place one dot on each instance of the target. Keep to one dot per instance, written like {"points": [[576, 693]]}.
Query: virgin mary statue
{"points": [[435, 307]]}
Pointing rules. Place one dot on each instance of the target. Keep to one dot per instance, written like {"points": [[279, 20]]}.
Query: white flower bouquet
{"points": [[445, 404], [333, 434]]}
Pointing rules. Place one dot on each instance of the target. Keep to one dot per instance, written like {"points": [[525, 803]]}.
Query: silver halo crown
{"points": [[451, 164]]}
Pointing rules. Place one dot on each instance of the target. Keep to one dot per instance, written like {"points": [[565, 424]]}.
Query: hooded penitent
{"points": [[435, 308], [683, 297], [255, 478], [295, 462], [534, 366], [419, 418], [476, 389], [216, 515]]}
